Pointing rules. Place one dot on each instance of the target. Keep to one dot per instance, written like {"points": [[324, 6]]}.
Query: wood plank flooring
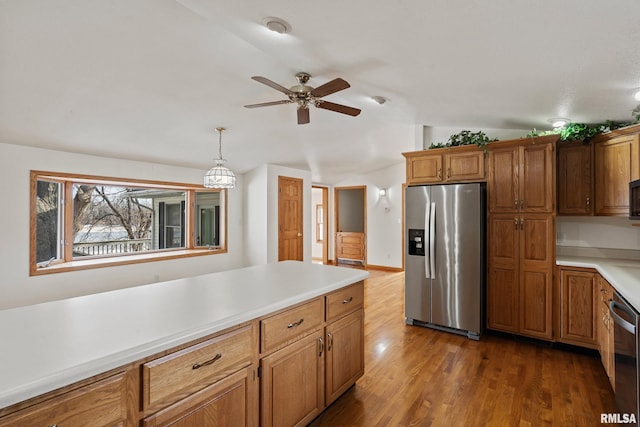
{"points": [[416, 376]]}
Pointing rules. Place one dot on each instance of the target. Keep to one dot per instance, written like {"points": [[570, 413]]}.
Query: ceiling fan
{"points": [[304, 96]]}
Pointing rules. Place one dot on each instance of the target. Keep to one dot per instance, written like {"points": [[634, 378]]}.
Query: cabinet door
{"points": [[578, 309], [424, 169], [536, 185], [502, 286], [503, 180], [575, 179], [617, 163], [226, 403], [537, 237], [465, 166], [345, 354], [293, 383], [102, 403]]}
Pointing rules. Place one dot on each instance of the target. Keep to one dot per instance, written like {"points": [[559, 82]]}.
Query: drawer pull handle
{"points": [[347, 300], [293, 325], [208, 362]]}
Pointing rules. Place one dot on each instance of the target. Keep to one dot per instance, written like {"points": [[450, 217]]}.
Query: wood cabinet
{"points": [[292, 383], [521, 237], [605, 328], [350, 246], [300, 379], [579, 305], [522, 177], [344, 336], [575, 179], [102, 403], [617, 162], [455, 164], [225, 403], [519, 289], [183, 372]]}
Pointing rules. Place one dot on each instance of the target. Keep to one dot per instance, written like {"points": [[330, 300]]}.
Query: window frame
{"points": [[68, 263]]}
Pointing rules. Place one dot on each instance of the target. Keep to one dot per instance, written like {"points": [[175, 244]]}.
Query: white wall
{"points": [[18, 288], [261, 207], [255, 216], [384, 222], [597, 232]]}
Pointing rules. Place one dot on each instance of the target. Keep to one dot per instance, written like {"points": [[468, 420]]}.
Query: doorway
{"points": [[351, 225], [319, 221], [290, 219]]}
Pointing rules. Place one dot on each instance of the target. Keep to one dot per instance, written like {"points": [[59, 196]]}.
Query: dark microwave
{"points": [[634, 199]]}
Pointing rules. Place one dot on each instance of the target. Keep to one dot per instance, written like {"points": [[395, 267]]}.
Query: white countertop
{"points": [[624, 275], [50, 345]]}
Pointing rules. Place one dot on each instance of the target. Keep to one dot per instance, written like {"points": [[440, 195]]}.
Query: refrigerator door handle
{"points": [[432, 241], [427, 213]]}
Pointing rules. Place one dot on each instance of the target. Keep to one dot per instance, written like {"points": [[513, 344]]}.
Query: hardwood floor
{"points": [[416, 376]]}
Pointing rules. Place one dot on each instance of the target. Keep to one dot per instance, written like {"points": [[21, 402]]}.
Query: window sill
{"points": [[86, 264]]}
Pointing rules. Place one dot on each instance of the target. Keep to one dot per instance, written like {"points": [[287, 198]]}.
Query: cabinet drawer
{"points": [[344, 301], [102, 403], [291, 324], [173, 376]]}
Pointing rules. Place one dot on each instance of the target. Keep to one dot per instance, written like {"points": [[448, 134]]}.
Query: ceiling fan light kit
{"points": [[219, 176], [304, 95]]}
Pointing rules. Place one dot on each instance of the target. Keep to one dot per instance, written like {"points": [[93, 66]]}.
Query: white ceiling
{"points": [[151, 79]]}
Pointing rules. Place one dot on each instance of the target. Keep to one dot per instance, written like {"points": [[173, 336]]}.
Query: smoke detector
{"points": [[277, 25]]}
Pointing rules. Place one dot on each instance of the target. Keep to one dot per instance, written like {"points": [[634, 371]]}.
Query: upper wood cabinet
{"points": [[575, 179], [617, 162], [522, 176], [456, 164]]}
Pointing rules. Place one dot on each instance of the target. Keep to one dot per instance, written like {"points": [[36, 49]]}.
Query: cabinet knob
{"points": [[588, 201]]}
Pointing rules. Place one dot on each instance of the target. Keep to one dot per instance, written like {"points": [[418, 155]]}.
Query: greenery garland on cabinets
{"points": [[582, 131], [465, 137]]}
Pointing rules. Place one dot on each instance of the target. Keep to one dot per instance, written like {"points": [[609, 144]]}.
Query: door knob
{"points": [[299, 234]]}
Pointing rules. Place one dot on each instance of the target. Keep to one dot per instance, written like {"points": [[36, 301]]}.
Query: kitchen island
{"points": [[137, 331]]}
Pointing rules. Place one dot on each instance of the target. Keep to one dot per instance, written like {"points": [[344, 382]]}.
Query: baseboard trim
{"points": [[384, 268]]}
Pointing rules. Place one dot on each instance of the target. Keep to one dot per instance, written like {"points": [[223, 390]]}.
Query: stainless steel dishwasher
{"points": [[626, 355]]}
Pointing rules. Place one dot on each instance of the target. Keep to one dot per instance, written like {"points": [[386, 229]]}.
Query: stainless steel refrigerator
{"points": [[445, 257]]}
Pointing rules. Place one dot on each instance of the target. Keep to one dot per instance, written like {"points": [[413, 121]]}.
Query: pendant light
{"points": [[219, 176]]}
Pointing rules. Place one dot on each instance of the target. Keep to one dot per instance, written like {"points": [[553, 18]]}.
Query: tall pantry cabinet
{"points": [[521, 236]]}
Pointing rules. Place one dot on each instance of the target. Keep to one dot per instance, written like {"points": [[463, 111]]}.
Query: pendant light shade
{"points": [[220, 176]]}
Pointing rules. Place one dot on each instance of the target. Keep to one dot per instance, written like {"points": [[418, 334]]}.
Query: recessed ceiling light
{"points": [[379, 99], [558, 122], [277, 25]]}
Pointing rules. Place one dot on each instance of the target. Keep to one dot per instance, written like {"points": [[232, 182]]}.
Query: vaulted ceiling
{"points": [[152, 79]]}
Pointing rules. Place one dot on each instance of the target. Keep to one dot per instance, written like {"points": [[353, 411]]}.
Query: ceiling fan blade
{"points": [[267, 104], [328, 88], [303, 115], [272, 84], [338, 108]]}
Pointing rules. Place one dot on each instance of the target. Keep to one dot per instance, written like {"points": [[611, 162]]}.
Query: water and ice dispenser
{"points": [[416, 242]]}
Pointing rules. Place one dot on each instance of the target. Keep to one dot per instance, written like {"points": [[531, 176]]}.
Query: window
{"points": [[81, 222]]}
